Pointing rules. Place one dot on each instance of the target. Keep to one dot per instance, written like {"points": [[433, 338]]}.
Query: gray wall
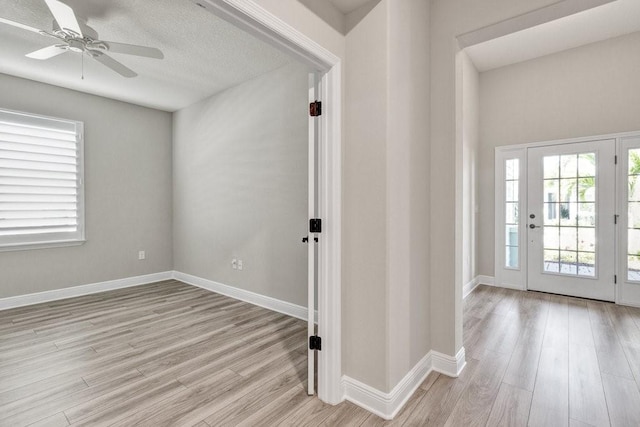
{"points": [[470, 141], [590, 90], [127, 190], [449, 19], [240, 185], [386, 206], [364, 265]]}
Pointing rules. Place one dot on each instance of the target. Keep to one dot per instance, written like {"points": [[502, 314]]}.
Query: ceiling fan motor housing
{"points": [[76, 45]]}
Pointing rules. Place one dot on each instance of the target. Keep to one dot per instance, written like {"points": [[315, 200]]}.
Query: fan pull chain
{"points": [[82, 65]]}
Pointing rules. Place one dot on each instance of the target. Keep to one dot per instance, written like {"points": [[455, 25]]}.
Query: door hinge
{"points": [[615, 159], [315, 225], [315, 109], [615, 279], [615, 219], [315, 343]]}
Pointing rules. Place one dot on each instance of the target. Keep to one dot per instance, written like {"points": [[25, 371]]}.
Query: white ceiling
{"points": [[600, 23], [348, 6], [202, 53]]}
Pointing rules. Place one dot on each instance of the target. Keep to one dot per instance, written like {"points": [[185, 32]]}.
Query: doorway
{"points": [[258, 22], [567, 217], [570, 219]]}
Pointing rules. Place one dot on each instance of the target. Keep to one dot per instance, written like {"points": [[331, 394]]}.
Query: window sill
{"points": [[40, 245]]}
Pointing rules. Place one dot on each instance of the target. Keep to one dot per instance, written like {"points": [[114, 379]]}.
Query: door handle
{"points": [[532, 226]]}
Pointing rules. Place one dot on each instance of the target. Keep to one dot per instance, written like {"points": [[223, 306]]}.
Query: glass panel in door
{"points": [[571, 219], [569, 228]]}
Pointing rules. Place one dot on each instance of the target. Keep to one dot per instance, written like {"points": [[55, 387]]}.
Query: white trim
{"points": [[626, 292], [259, 22], [41, 245], [569, 140], [506, 285], [477, 281], [76, 291], [387, 405], [470, 287], [504, 274], [256, 20], [448, 365], [21, 242], [486, 280], [330, 245], [628, 303], [551, 12], [269, 303]]}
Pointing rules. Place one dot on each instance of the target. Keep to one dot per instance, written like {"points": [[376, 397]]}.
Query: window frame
{"points": [[54, 240], [505, 276]]}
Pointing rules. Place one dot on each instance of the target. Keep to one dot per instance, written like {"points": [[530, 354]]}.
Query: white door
{"points": [[312, 238], [571, 219]]}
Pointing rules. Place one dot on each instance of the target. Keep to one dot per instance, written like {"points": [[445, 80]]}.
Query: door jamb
{"points": [[257, 21]]}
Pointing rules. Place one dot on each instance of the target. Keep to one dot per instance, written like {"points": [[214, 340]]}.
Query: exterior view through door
{"points": [[567, 217], [570, 218]]}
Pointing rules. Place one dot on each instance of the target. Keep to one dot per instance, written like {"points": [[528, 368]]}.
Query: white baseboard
{"points": [[473, 284], [486, 280], [270, 303], [76, 291], [470, 287], [387, 405], [448, 365], [507, 286], [629, 303]]}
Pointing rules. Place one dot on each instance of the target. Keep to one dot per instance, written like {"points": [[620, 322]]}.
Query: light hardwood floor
{"points": [[172, 354]]}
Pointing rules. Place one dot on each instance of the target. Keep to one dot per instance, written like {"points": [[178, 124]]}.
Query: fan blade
{"points": [[19, 25], [132, 49], [47, 52], [64, 15], [114, 65]]}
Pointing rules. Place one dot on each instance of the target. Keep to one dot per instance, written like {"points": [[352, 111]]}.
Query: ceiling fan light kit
{"points": [[67, 30]]}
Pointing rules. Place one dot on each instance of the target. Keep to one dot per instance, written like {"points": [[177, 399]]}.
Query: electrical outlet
{"points": [[239, 264], [234, 264], [142, 255]]}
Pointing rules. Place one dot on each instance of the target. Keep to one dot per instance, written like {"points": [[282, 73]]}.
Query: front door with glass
{"points": [[570, 219]]}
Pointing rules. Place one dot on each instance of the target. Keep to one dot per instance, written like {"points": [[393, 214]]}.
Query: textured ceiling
{"points": [[599, 23], [202, 53]]}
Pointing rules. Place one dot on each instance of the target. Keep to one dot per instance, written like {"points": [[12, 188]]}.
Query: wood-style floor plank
{"points": [[172, 354], [437, 404], [474, 406], [511, 407], [550, 401], [56, 420], [523, 366], [586, 393], [622, 399]]}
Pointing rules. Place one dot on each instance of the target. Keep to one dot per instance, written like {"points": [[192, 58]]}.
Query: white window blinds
{"points": [[40, 180]]}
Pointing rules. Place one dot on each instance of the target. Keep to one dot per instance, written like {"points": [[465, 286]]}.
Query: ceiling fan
{"points": [[72, 38]]}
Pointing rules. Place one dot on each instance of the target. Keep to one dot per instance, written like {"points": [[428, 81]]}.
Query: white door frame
{"points": [[625, 293], [601, 285], [271, 29]]}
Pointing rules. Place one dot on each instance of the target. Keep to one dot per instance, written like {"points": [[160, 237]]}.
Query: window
{"points": [[512, 204], [41, 174], [570, 206], [633, 216], [510, 233]]}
